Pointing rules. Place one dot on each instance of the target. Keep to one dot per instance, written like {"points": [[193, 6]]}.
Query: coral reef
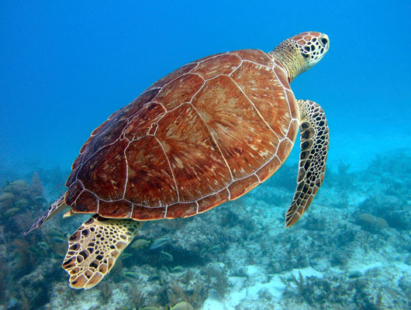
{"points": [[352, 250]]}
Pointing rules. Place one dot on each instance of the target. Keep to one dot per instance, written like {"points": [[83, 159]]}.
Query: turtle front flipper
{"points": [[313, 156], [94, 248], [56, 207]]}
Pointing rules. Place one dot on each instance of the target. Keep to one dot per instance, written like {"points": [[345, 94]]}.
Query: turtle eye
{"points": [[324, 41]]}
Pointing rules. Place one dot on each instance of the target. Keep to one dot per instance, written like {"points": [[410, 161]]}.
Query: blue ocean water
{"points": [[65, 67]]}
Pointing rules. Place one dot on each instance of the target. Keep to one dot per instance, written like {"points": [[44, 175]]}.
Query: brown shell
{"points": [[207, 133]]}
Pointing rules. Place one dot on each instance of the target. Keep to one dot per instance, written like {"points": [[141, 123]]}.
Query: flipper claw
{"points": [[57, 206]]}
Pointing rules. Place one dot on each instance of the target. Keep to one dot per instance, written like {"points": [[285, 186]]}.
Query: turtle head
{"points": [[301, 52]]}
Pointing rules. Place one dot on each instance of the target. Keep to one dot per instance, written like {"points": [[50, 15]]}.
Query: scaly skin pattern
{"points": [[56, 207], [207, 133], [94, 248], [313, 156], [301, 52]]}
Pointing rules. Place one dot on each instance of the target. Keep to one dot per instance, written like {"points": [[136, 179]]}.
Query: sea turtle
{"points": [[205, 134]]}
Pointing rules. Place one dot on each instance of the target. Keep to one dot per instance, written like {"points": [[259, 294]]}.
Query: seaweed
{"points": [[305, 290], [137, 296], [25, 302], [105, 293], [362, 298]]}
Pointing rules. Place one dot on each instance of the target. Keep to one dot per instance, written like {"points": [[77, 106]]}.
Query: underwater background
{"points": [[66, 66]]}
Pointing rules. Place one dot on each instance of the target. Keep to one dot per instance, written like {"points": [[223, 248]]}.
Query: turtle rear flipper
{"points": [[56, 207], [94, 248], [313, 156]]}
